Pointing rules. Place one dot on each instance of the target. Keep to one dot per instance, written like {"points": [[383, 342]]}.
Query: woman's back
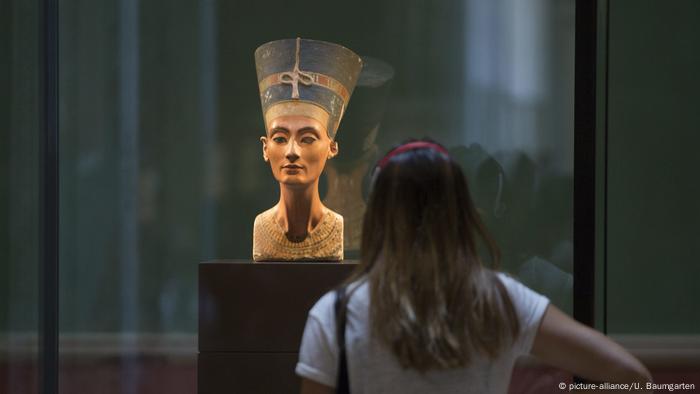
{"points": [[428, 315], [374, 369]]}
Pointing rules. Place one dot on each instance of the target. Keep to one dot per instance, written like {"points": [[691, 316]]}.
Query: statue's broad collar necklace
{"points": [[324, 242], [325, 221]]}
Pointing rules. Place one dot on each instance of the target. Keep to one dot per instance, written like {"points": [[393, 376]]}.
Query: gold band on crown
{"points": [[296, 108], [315, 79]]}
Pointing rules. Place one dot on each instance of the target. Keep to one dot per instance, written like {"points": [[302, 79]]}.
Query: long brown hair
{"points": [[433, 303]]}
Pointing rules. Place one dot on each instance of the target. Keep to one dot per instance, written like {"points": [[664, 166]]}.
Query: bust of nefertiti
{"points": [[305, 86]]}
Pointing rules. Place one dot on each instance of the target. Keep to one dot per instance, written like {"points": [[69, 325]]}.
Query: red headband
{"points": [[410, 146]]}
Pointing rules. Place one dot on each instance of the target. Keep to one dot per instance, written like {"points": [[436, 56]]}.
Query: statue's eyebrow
{"points": [[279, 130]]}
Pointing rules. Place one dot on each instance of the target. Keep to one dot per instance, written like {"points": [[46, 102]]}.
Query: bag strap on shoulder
{"points": [[343, 383]]}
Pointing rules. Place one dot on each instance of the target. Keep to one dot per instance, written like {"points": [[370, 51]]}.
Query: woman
{"points": [[423, 313]]}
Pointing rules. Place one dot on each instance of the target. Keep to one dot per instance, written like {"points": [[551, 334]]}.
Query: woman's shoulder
{"points": [[507, 279], [324, 306], [529, 305], [516, 289], [324, 309]]}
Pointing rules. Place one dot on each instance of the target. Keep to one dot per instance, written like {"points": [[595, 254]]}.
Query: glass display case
{"points": [[160, 164]]}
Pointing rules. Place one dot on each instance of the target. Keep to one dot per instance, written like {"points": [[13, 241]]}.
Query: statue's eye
{"points": [[308, 140], [280, 139]]}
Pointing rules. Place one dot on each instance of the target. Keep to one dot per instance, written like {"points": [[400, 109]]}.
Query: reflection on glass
{"points": [[518, 140], [19, 190], [157, 101], [347, 173], [137, 115]]}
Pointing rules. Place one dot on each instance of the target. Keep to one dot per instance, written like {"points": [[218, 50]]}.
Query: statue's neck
{"points": [[299, 209]]}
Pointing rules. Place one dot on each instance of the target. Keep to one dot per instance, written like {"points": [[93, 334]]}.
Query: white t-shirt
{"points": [[372, 368]]}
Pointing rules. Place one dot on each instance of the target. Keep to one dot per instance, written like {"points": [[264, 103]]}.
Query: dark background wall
{"points": [[19, 165], [161, 168], [159, 119], [5, 78], [652, 187]]}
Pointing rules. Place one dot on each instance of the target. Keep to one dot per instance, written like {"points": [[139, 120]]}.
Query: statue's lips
{"points": [[292, 167]]}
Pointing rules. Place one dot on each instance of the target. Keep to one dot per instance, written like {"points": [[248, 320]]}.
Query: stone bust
{"points": [[305, 86]]}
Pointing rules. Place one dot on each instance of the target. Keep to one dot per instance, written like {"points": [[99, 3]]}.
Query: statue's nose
{"points": [[292, 153]]}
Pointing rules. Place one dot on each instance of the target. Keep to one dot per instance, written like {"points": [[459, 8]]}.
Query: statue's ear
{"points": [[263, 140], [333, 149]]}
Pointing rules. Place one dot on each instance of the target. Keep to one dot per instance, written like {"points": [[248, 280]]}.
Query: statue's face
{"points": [[297, 148]]}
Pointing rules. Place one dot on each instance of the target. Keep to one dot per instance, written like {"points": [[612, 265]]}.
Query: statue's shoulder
{"points": [[265, 218], [264, 231], [337, 218]]}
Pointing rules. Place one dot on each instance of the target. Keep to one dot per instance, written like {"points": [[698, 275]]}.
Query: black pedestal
{"points": [[251, 318]]}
